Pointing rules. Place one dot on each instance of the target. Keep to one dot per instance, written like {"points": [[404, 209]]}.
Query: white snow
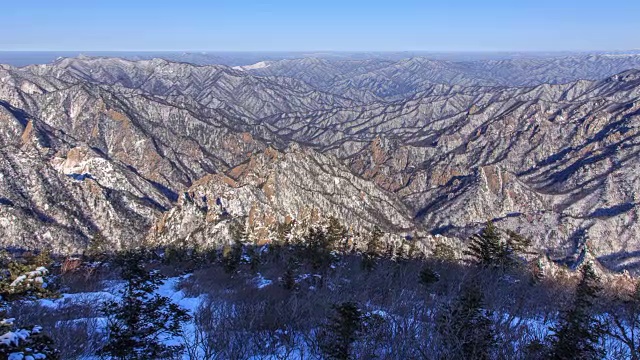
{"points": [[258, 65], [261, 281], [31, 276], [97, 297]]}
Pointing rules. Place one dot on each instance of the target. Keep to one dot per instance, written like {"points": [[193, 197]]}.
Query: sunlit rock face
{"points": [[274, 188]]}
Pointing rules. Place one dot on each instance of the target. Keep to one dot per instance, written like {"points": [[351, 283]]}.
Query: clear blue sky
{"points": [[307, 25]]}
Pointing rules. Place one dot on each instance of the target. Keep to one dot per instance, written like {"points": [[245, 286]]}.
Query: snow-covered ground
{"points": [[111, 292], [537, 327]]}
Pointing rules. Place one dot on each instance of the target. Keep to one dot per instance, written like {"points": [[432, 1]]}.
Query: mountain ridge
{"points": [[555, 162]]}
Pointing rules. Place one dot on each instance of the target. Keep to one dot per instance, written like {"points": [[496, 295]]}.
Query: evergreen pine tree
{"points": [[342, 330], [283, 232], [489, 249], [374, 249], [518, 243], [444, 252], [98, 248], [466, 330], [337, 235], [232, 257], [486, 248], [254, 259], [27, 278], [318, 249], [318, 252], [25, 343], [24, 279], [288, 279], [232, 254], [427, 276], [138, 324], [578, 332]]}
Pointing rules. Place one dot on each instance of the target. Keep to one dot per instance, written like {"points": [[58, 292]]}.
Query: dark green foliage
{"points": [[34, 345], [283, 232], [232, 254], [465, 328], [578, 332], [204, 255], [444, 252], [318, 249], [36, 283], [374, 249], [33, 270], [98, 248], [537, 272], [254, 259], [337, 235], [414, 252], [239, 232], [188, 257], [518, 243], [175, 254], [486, 247], [139, 323], [288, 280], [490, 250], [342, 330], [427, 276], [535, 350], [232, 257]]}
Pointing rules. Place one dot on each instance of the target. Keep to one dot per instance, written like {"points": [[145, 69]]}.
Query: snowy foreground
{"points": [[252, 315], [169, 288], [112, 291]]}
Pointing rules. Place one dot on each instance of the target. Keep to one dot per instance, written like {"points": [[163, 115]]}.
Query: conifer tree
{"points": [[518, 243], [24, 279], [254, 259], [283, 232], [444, 252], [25, 343], [98, 248], [578, 332], [142, 320], [337, 235], [465, 328], [288, 279], [374, 249], [27, 278], [414, 252], [318, 249], [232, 257], [486, 248], [232, 254], [428, 277], [342, 330], [489, 248]]}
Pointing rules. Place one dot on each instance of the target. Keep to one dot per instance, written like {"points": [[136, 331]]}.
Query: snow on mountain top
{"points": [[258, 65]]}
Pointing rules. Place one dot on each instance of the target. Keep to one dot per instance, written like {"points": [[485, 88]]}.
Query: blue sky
{"points": [[309, 25]]}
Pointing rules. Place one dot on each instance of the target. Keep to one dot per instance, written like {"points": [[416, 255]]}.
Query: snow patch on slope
{"points": [[258, 65]]}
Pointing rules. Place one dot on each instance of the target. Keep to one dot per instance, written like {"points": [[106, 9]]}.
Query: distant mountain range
{"points": [[159, 150]]}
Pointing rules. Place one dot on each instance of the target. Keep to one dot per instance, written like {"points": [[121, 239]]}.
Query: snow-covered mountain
{"points": [[114, 147]]}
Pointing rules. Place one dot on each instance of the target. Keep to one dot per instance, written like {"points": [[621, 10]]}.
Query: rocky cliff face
{"points": [[274, 188], [168, 152]]}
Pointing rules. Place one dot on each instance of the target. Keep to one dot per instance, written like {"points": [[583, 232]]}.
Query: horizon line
{"points": [[331, 51]]}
